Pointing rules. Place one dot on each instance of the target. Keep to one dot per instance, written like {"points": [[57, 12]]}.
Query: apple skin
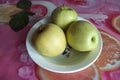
{"points": [[63, 16], [50, 40], [82, 36]]}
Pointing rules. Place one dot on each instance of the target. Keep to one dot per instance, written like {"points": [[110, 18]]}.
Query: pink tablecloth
{"points": [[15, 63]]}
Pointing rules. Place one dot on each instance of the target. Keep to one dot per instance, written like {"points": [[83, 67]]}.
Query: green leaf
{"points": [[30, 13], [24, 4], [19, 21]]}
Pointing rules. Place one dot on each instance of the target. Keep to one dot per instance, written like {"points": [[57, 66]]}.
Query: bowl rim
{"points": [[43, 64]]}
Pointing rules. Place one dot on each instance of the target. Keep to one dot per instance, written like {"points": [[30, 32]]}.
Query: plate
{"points": [[77, 61]]}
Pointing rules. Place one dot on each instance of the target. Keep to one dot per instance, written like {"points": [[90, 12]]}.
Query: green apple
{"points": [[63, 16], [50, 40], [82, 36]]}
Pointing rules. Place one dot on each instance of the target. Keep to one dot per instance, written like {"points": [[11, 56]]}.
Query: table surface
{"points": [[15, 63]]}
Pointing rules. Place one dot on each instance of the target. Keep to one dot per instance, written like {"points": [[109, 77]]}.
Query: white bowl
{"points": [[77, 61]]}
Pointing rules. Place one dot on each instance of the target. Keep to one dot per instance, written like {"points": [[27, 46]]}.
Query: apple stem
{"points": [[42, 27]]}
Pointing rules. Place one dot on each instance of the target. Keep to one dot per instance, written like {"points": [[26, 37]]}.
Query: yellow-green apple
{"points": [[63, 16], [50, 40], [82, 36]]}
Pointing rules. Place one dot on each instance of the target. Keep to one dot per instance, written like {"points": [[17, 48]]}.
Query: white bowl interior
{"points": [[75, 62]]}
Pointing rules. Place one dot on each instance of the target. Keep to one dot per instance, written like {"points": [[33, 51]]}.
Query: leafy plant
{"points": [[24, 4], [21, 19]]}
